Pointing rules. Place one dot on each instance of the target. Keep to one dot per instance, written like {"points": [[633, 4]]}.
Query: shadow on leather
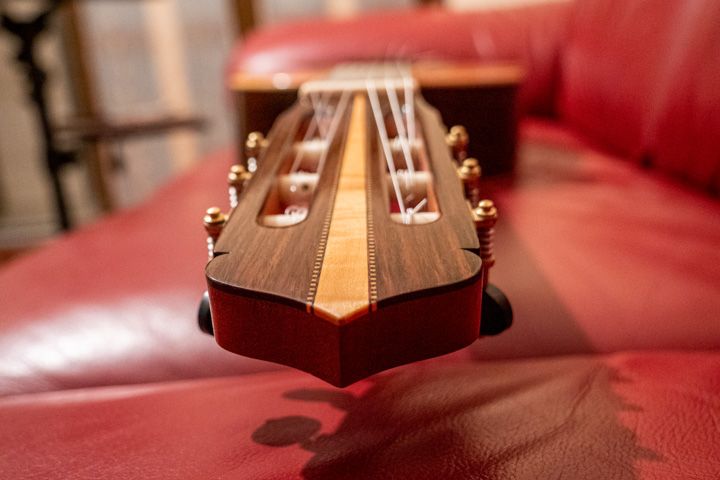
{"points": [[542, 324], [482, 420]]}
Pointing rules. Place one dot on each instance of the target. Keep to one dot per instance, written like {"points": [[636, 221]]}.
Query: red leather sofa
{"points": [[608, 246]]}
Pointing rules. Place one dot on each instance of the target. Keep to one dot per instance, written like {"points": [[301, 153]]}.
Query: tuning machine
{"points": [[214, 222], [457, 139], [497, 313], [255, 144], [485, 217], [237, 181], [484, 212], [469, 173]]}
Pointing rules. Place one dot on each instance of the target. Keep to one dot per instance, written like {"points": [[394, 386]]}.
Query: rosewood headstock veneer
{"points": [[357, 239]]}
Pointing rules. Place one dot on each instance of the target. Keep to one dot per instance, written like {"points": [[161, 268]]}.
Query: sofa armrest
{"points": [[530, 35], [116, 302]]}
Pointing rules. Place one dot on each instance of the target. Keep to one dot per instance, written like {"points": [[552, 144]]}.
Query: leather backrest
{"points": [[643, 78], [530, 35]]}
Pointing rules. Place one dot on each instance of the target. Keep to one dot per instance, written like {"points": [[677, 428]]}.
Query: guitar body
{"points": [[376, 268]]}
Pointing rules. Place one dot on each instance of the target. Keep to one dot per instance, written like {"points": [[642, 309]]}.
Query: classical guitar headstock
{"points": [[351, 246]]}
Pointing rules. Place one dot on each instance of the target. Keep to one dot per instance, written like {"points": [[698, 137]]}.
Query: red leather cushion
{"points": [[641, 78], [650, 415], [530, 35], [116, 302], [686, 133], [599, 255]]}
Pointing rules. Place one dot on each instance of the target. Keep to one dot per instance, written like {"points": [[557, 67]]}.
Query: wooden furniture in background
{"points": [[91, 126], [93, 130], [28, 30], [244, 16], [245, 12]]}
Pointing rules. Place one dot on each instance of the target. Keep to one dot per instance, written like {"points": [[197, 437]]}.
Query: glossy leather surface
{"points": [[599, 255], [116, 302], [625, 416], [642, 80]]}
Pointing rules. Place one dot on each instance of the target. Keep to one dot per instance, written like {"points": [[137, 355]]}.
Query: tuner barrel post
{"points": [[469, 173], [457, 139], [485, 216], [214, 221], [254, 146], [237, 181]]}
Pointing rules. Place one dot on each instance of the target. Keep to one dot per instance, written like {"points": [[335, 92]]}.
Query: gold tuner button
{"points": [[238, 176], [486, 214], [256, 136], [470, 169], [238, 169], [469, 172], [254, 144], [214, 221], [457, 139], [237, 179]]}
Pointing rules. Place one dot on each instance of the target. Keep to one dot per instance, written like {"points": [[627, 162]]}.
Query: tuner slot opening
{"points": [[291, 195], [408, 178], [411, 190]]}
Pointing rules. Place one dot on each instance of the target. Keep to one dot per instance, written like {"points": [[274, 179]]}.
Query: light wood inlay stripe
{"points": [[342, 291], [317, 264], [372, 258]]}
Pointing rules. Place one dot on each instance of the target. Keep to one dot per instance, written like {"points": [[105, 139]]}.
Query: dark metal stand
{"points": [[28, 32]]}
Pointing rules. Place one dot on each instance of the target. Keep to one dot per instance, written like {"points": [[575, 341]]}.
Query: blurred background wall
{"points": [[145, 56]]}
